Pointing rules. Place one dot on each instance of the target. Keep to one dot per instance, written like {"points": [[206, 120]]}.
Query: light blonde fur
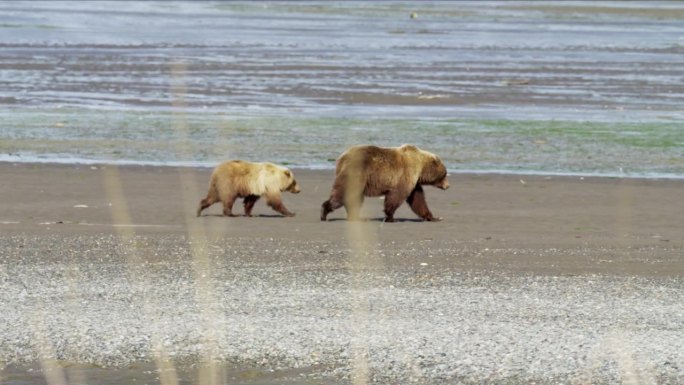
{"points": [[245, 178], [240, 179]]}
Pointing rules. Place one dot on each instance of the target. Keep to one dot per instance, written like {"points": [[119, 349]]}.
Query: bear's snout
{"points": [[443, 184], [294, 188]]}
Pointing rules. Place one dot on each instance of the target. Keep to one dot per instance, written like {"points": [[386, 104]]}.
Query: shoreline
{"points": [[211, 165]]}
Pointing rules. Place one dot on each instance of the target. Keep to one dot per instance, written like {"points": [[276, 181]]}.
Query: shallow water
{"points": [[579, 88]]}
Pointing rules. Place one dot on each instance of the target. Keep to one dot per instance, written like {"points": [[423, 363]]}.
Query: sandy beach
{"points": [[515, 212], [108, 277], [528, 278]]}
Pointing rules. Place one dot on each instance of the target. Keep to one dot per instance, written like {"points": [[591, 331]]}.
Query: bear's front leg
{"points": [[276, 203], [249, 202], [419, 205]]}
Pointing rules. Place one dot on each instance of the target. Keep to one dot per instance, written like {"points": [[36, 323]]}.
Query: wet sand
{"points": [[528, 278], [550, 221]]}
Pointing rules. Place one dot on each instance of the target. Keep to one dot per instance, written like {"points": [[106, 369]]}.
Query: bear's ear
{"points": [[288, 173]]}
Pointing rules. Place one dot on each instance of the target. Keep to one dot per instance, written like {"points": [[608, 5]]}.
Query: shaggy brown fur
{"points": [[397, 173], [239, 179]]}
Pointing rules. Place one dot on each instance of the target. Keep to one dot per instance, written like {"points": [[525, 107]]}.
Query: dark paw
{"points": [[324, 213]]}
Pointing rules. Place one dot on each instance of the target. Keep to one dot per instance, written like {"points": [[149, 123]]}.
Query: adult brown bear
{"points": [[397, 173], [239, 179]]}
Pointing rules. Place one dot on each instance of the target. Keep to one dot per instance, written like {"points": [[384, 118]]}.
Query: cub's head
{"points": [[290, 182], [434, 173]]}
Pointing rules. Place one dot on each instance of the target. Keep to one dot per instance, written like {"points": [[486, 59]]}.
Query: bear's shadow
{"points": [[380, 219], [269, 216], [243, 216]]}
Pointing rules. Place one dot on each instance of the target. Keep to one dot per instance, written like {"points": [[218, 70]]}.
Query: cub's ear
{"points": [[288, 173]]}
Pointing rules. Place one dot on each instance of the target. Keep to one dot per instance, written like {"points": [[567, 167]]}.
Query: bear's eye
{"points": [[287, 173]]}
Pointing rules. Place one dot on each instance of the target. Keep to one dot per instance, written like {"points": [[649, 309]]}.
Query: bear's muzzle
{"points": [[294, 188]]}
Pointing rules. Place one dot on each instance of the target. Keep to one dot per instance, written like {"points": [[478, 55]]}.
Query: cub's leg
{"points": [[228, 206], [249, 202], [276, 203], [212, 197], [204, 203]]}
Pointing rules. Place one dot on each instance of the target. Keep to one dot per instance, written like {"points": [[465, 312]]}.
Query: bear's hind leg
{"points": [[392, 202], [204, 203], [326, 208], [228, 206], [329, 206], [335, 202], [353, 207], [249, 202], [419, 206]]}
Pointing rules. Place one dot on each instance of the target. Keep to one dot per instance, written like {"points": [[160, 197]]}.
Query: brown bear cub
{"points": [[239, 179], [397, 173]]}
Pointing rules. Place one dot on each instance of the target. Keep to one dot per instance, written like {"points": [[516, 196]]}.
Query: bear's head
{"points": [[290, 182], [434, 173]]}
